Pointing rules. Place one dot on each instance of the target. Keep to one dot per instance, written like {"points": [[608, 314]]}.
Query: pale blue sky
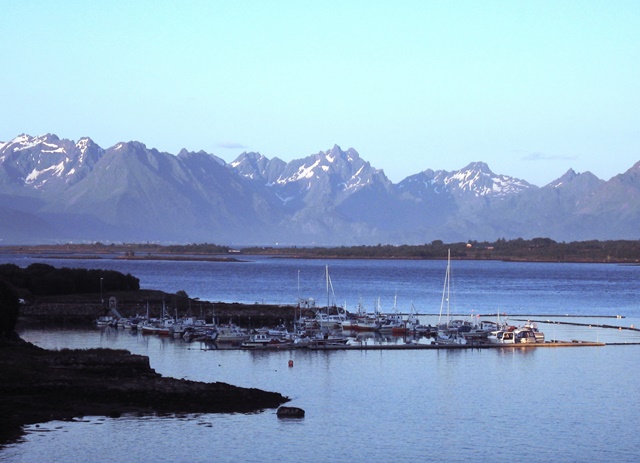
{"points": [[532, 88]]}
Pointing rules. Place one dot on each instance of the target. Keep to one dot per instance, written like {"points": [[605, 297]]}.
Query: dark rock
{"points": [[38, 385], [290, 412]]}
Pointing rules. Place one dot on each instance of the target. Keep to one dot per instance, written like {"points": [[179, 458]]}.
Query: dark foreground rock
{"points": [[37, 385]]}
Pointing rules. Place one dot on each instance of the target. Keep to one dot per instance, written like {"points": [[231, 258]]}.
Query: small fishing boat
{"points": [[257, 340], [230, 333]]}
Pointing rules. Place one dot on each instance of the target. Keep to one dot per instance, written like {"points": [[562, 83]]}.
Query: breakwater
{"points": [[85, 309]]}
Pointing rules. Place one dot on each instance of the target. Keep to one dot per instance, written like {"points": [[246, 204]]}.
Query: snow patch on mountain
{"points": [[58, 149], [304, 172], [478, 180], [25, 142], [83, 145], [356, 181], [23, 145], [56, 169]]}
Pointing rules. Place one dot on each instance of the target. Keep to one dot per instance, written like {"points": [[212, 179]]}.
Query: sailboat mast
{"points": [[445, 290], [448, 286], [297, 307], [326, 269]]}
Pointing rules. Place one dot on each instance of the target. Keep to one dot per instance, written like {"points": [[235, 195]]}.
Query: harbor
{"points": [[382, 397], [318, 333], [307, 325]]}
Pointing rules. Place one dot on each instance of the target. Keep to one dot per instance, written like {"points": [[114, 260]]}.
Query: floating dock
{"points": [[416, 346], [436, 346]]}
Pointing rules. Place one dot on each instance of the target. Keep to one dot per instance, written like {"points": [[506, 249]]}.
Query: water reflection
{"points": [[396, 405]]}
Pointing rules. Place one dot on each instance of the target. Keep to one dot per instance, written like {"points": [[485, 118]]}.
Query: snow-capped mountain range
{"points": [[58, 190]]}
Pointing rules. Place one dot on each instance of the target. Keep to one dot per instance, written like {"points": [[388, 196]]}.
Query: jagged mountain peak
{"points": [[48, 163], [346, 167], [635, 169], [186, 152], [251, 157], [478, 166], [250, 163], [133, 146], [254, 166], [478, 179], [337, 154], [566, 178], [474, 180], [572, 179], [425, 177], [335, 158], [27, 142], [201, 155], [630, 177], [86, 144]]}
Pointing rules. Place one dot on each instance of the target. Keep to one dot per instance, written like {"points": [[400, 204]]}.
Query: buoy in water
{"points": [[290, 363]]}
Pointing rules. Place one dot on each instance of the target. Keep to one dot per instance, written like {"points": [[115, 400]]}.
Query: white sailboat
{"points": [[446, 294], [326, 320], [448, 330]]}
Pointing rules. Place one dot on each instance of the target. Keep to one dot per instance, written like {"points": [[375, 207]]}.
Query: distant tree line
{"points": [[203, 248], [43, 279], [536, 249]]}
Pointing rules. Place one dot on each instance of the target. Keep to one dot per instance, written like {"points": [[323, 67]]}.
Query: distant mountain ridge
{"points": [[58, 190]]}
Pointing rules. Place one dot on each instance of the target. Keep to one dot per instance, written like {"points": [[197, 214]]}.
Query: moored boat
{"points": [[106, 320], [257, 340], [394, 324], [229, 333], [523, 335]]}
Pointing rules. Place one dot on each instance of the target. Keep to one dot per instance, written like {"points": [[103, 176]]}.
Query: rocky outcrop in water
{"points": [[37, 385], [290, 412]]}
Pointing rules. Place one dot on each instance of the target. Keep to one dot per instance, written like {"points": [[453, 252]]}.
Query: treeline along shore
{"points": [[79, 296], [85, 309], [526, 250]]}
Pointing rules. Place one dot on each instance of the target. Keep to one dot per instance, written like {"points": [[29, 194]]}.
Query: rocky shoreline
{"points": [[38, 385], [84, 309]]}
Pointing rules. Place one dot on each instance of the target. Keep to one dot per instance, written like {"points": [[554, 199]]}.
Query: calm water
{"points": [[478, 287], [546, 404]]}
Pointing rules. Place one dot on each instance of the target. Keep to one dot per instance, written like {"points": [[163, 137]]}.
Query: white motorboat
{"points": [[524, 335]]}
